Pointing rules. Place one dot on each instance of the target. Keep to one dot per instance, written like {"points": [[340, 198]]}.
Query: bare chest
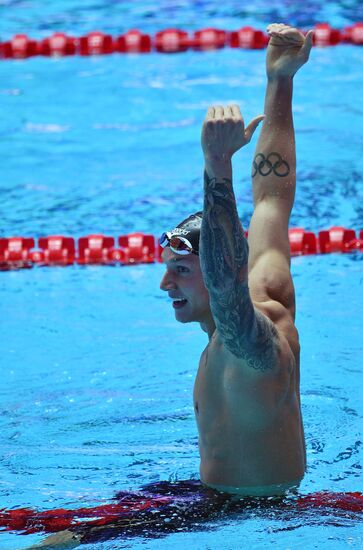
{"points": [[209, 387], [243, 439]]}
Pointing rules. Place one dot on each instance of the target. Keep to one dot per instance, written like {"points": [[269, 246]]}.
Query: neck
{"points": [[209, 327]]}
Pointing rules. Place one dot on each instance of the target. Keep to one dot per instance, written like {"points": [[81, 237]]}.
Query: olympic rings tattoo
{"points": [[272, 163]]}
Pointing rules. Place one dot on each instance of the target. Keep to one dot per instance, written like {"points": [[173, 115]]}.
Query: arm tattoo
{"points": [[270, 164], [246, 332]]}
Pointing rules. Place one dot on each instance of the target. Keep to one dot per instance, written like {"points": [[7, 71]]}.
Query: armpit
{"points": [[247, 333]]}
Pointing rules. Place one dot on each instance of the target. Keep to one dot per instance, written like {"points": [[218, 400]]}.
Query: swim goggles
{"points": [[179, 245]]}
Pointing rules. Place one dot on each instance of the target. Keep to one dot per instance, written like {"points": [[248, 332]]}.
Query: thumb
{"points": [[305, 49], [250, 130]]}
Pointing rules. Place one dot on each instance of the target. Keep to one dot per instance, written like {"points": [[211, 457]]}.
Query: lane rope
{"points": [[143, 248], [181, 503], [172, 40]]}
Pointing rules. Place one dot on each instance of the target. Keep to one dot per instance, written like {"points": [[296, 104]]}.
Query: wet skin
{"points": [[246, 393], [250, 430], [183, 280]]}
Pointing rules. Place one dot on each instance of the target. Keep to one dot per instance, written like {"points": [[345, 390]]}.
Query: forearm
{"points": [[274, 164], [247, 333], [244, 331], [224, 247]]}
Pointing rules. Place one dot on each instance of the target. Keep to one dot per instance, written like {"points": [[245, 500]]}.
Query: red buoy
{"points": [[96, 43], [209, 39], [354, 34], [325, 35], [58, 45], [19, 47], [338, 239], [56, 249], [248, 38], [171, 41], [133, 42], [95, 249], [137, 248], [15, 252], [302, 242]]}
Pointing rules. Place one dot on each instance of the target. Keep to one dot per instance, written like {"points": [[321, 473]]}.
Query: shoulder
{"points": [[283, 321], [255, 362]]}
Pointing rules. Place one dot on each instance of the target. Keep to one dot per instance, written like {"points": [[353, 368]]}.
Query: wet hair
{"points": [[190, 229]]}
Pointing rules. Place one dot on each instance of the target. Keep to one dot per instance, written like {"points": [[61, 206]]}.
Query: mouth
{"points": [[179, 303]]}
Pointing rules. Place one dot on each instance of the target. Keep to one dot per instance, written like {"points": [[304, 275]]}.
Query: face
{"points": [[183, 281]]}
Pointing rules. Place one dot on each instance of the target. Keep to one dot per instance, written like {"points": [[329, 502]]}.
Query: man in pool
{"points": [[246, 393]]}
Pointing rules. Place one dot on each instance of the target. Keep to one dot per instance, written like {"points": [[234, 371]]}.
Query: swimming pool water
{"points": [[97, 377], [42, 18], [97, 385], [112, 144]]}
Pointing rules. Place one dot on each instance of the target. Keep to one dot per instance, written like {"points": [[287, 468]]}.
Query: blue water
{"points": [[96, 396], [112, 144], [96, 375], [39, 18]]}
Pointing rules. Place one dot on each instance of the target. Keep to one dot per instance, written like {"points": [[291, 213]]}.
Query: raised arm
{"points": [[245, 332], [274, 172], [274, 165]]}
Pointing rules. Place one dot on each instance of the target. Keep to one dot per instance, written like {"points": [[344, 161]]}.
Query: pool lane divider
{"points": [[172, 40], [141, 248], [135, 513]]}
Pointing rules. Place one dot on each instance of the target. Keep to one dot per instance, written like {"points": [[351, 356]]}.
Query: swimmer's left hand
{"points": [[224, 132], [287, 51]]}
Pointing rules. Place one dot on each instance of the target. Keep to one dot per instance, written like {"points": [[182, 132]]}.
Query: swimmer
{"points": [[246, 393]]}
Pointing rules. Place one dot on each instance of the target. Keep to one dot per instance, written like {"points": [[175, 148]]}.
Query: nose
{"points": [[167, 282]]}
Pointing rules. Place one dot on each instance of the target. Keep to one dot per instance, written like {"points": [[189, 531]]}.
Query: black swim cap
{"points": [[190, 229]]}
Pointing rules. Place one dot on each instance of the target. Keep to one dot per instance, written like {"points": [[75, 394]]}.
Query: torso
{"points": [[251, 437]]}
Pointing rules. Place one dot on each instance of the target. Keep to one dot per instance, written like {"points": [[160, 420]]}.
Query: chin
{"points": [[184, 321], [183, 318]]}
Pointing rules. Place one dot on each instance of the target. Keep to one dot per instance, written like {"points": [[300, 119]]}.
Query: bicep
{"points": [[269, 276]]}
